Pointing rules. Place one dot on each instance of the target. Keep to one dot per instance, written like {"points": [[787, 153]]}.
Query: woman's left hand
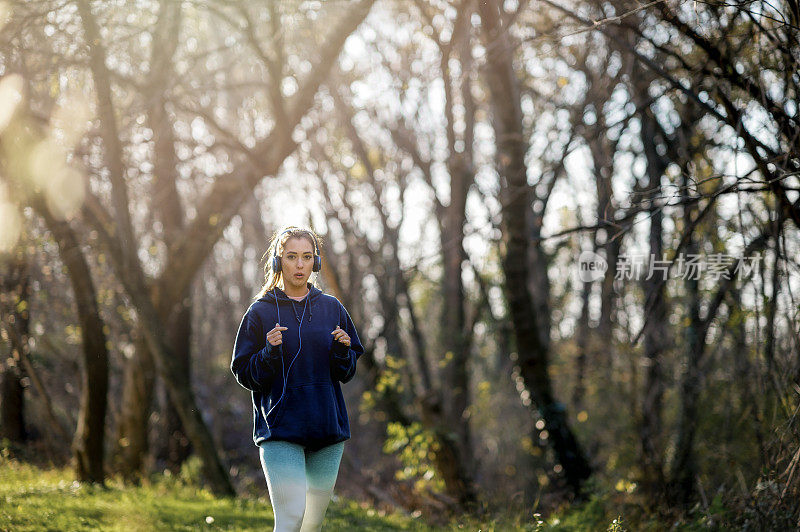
{"points": [[341, 336]]}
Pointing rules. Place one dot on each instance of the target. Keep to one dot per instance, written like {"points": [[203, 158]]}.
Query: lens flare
{"points": [[65, 193], [46, 161], [10, 222], [10, 95], [70, 121], [5, 14]]}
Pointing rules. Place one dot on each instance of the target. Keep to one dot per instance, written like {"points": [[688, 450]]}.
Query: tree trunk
{"points": [[655, 310], [131, 274], [584, 338], [684, 467], [168, 209], [446, 416], [89, 443], [456, 461], [681, 486], [177, 446], [603, 157], [456, 336], [455, 456], [131, 444], [584, 342], [532, 358], [15, 295], [12, 413]]}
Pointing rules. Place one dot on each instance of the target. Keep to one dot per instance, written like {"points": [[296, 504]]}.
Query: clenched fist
{"points": [[274, 336], [341, 336]]}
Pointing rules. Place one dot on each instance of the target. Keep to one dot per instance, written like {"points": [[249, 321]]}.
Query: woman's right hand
{"points": [[274, 336]]}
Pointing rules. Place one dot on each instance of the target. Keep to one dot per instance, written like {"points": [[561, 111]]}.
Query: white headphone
{"points": [[300, 338]]}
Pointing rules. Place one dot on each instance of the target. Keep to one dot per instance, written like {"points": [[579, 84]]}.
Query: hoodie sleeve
{"points": [[255, 362], [344, 358]]}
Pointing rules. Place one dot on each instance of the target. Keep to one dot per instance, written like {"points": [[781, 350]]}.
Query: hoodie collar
{"points": [[280, 295]]}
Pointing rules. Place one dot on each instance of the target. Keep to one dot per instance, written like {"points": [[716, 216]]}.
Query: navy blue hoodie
{"points": [[311, 412]]}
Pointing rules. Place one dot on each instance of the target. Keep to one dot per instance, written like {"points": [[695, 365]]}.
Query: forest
{"points": [[567, 233]]}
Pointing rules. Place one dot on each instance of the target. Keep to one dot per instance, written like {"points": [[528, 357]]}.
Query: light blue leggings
{"points": [[300, 483]]}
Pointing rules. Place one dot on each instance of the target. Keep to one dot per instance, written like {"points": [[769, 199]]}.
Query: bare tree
{"points": [[515, 199], [15, 313], [156, 298], [89, 442]]}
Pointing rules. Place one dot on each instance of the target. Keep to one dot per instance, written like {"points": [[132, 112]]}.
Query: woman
{"points": [[294, 347]]}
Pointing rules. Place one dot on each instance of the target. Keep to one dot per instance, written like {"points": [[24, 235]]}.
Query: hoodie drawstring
{"points": [[308, 302], [294, 310]]}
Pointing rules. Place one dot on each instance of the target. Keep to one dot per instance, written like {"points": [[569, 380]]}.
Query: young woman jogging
{"points": [[294, 348]]}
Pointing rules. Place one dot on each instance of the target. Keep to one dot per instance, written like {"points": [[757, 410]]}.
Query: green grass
{"points": [[48, 499], [34, 499]]}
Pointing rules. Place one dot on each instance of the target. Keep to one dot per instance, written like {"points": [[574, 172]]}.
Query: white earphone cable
{"points": [[300, 346]]}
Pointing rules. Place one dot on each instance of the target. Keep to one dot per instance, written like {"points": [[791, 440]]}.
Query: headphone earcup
{"points": [[276, 264], [317, 263]]}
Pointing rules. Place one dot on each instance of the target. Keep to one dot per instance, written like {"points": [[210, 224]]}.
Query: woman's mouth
{"points": [[298, 275]]}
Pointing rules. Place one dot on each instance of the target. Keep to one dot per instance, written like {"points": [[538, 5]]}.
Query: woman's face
{"points": [[297, 261]]}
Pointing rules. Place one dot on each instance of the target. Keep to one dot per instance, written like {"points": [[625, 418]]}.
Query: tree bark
{"points": [[177, 445], [532, 358], [15, 295], [681, 485], [168, 208], [12, 400], [456, 337], [655, 329], [89, 443], [584, 342], [131, 445]]}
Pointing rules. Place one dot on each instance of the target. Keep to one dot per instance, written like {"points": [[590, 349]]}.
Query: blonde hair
{"points": [[275, 249]]}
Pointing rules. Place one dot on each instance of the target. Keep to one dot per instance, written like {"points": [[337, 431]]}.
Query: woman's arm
{"points": [[343, 357], [255, 363]]}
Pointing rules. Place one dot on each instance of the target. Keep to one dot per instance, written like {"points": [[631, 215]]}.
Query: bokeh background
{"points": [[456, 158]]}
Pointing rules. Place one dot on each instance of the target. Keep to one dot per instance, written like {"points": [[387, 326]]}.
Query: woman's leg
{"points": [[322, 468], [284, 466]]}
